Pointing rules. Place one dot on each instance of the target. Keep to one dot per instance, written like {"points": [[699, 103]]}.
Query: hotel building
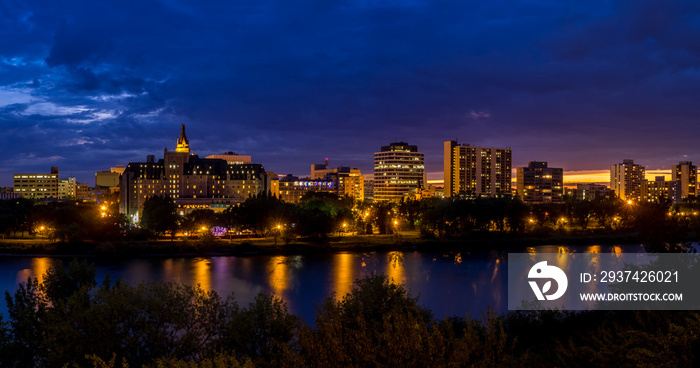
{"points": [[192, 182], [476, 171]]}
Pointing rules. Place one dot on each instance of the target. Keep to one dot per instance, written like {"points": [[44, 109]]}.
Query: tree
{"points": [[319, 213], [160, 215]]}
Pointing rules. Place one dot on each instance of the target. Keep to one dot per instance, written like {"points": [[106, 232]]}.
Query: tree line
{"points": [[662, 226], [71, 320]]}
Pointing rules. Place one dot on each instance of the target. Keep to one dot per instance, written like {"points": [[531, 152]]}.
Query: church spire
{"points": [[183, 145]]}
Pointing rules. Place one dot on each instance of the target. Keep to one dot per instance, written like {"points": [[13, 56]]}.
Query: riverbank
{"points": [[405, 240]]}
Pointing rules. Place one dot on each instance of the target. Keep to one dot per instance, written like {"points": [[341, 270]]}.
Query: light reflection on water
{"points": [[452, 283], [343, 274]]}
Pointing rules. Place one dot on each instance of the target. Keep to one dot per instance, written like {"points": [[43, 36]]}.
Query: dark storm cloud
{"points": [[87, 84]]}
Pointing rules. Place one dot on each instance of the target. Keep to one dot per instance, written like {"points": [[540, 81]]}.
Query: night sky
{"points": [[86, 85]]}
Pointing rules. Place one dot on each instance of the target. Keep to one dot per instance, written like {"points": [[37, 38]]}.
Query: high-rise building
{"points": [[192, 182], [538, 183], [398, 168], [476, 171], [685, 173], [626, 180], [37, 186]]}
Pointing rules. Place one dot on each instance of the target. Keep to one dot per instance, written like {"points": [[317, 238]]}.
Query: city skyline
{"points": [[571, 177], [87, 86]]}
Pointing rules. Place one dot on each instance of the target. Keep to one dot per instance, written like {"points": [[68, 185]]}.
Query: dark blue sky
{"points": [[85, 85]]}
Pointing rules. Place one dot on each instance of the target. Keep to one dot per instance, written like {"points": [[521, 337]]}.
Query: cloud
{"points": [[10, 96], [583, 84], [52, 109]]}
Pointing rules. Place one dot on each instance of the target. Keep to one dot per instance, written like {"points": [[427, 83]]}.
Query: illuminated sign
{"points": [[314, 184]]}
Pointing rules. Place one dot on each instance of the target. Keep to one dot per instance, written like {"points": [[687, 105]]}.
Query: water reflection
{"points": [[343, 274], [39, 267], [449, 283], [593, 249], [395, 267], [278, 274], [202, 273], [173, 269]]}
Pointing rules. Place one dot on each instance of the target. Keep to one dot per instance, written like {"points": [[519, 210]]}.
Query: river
{"points": [[448, 283]]}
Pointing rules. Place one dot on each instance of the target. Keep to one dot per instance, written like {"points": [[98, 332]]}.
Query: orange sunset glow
{"points": [[572, 177]]}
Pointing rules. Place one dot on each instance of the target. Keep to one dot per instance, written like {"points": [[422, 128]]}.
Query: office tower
{"points": [[538, 183], [476, 171], [398, 168], [626, 180]]}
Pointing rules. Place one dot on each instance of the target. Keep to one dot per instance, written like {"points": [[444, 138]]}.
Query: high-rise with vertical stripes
{"points": [[476, 171]]}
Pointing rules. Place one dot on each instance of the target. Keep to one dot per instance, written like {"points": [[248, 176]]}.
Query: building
{"points": [[589, 192], [8, 193], [293, 188], [369, 189], [192, 182], [538, 183], [351, 183], [430, 191], [626, 180], [685, 174], [476, 171], [320, 171], [398, 168], [37, 186], [67, 188], [233, 158], [348, 181], [660, 190], [107, 181], [82, 191]]}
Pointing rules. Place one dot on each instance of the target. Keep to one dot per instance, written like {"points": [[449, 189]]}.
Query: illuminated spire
{"points": [[183, 145]]}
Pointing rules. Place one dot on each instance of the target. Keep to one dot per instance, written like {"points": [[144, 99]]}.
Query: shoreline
{"points": [[190, 248]]}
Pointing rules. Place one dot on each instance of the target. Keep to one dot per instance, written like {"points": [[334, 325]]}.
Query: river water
{"points": [[449, 283]]}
